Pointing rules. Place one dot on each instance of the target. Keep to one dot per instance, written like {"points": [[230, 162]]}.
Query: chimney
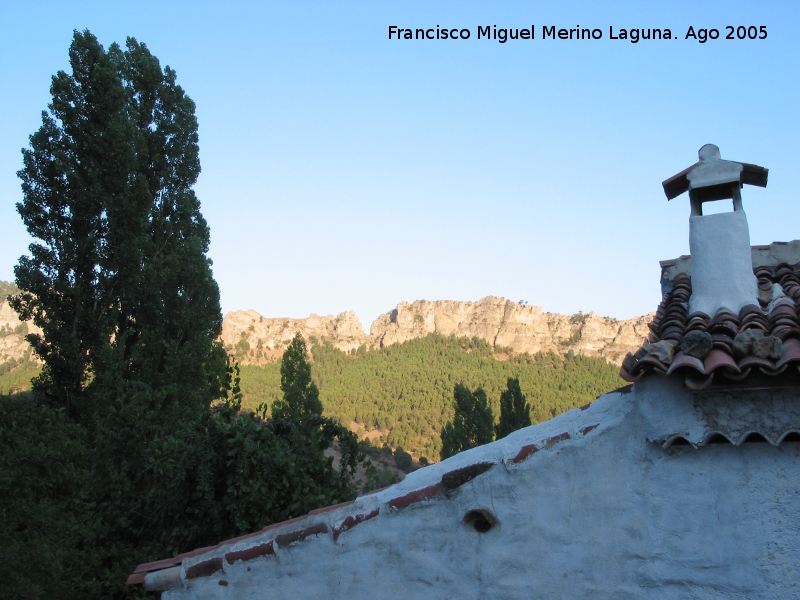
{"points": [[721, 265]]}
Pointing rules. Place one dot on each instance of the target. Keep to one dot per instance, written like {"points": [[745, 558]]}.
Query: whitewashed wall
{"points": [[588, 505]]}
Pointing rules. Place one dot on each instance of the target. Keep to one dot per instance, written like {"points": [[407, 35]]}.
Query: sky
{"points": [[344, 170]]}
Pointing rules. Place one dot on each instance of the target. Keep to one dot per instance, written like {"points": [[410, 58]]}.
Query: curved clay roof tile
{"points": [[682, 360], [717, 359], [790, 352]]}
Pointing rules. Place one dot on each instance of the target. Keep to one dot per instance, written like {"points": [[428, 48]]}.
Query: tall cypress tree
{"points": [[119, 282], [472, 425], [297, 419], [300, 395], [515, 412], [118, 279]]}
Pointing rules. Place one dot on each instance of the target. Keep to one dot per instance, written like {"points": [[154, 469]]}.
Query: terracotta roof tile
{"points": [[682, 360], [657, 364], [453, 479], [157, 565], [790, 352], [292, 537], [136, 578], [777, 317], [353, 520], [170, 562], [139, 574], [415, 496], [204, 568], [265, 549]]}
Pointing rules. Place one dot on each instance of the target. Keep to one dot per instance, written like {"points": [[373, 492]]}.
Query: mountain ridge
{"points": [[505, 325]]}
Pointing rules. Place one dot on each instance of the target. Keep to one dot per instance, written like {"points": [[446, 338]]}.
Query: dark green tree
{"points": [[403, 460], [297, 418], [300, 395], [119, 282], [118, 279], [515, 412], [472, 425]]}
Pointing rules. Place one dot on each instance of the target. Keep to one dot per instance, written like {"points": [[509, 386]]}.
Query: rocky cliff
{"points": [[504, 324], [13, 346], [257, 339]]}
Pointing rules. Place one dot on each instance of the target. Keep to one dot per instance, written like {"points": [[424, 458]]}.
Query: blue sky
{"points": [[344, 170]]}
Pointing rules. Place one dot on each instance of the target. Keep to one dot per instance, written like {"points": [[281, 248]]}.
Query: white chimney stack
{"points": [[721, 266]]}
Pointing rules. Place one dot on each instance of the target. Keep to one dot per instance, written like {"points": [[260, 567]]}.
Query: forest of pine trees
{"points": [[405, 391]]}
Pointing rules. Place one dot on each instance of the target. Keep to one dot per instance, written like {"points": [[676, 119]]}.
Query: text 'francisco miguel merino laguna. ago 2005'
{"points": [[551, 32]]}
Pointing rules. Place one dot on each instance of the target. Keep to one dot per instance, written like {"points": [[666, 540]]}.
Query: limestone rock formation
{"points": [[256, 339], [13, 345], [506, 324], [502, 323]]}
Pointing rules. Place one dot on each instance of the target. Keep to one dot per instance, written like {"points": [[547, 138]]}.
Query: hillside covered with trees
{"points": [[402, 395]]}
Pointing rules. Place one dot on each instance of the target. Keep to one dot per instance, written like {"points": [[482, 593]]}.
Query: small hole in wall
{"points": [[481, 519]]}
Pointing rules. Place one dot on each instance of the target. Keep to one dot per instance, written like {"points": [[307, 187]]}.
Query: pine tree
{"points": [[515, 412], [472, 425], [300, 395], [297, 419]]}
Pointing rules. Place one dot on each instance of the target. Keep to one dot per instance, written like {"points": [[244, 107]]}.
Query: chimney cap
{"points": [[712, 178]]}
